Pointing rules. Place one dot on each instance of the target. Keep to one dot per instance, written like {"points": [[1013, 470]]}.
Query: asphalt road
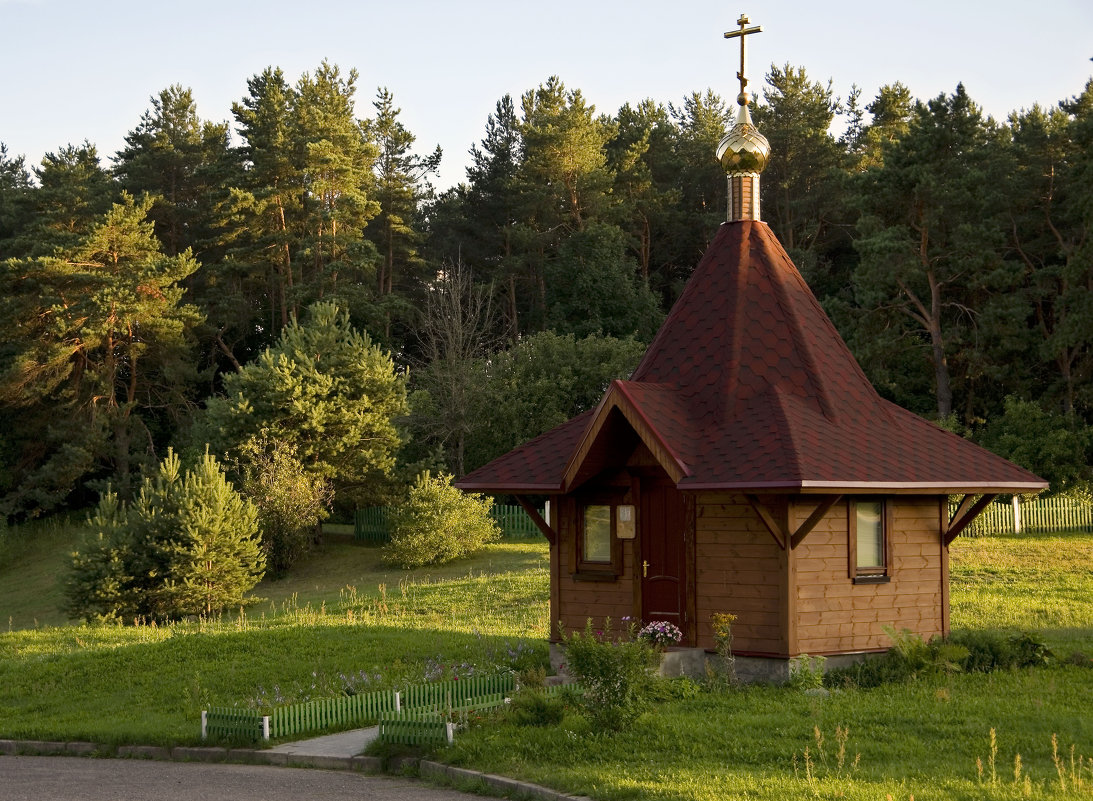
{"points": [[33, 778]]}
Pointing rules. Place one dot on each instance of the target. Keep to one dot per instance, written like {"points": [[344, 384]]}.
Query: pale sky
{"points": [[84, 69]]}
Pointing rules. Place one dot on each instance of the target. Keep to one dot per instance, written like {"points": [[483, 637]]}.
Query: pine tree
{"points": [[401, 186], [16, 197], [325, 388], [73, 193], [256, 287], [930, 231], [175, 156], [334, 153], [188, 545], [97, 355]]}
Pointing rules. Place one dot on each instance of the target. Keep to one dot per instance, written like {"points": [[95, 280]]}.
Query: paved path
{"points": [[33, 778], [342, 744], [146, 774]]}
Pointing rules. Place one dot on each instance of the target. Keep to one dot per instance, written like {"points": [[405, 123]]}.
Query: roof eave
{"points": [[500, 489], [870, 487]]}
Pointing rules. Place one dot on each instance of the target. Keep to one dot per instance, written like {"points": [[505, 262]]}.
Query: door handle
{"points": [[645, 569]]}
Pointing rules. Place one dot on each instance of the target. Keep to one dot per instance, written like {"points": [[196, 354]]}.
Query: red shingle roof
{"points": [[748, 385]]}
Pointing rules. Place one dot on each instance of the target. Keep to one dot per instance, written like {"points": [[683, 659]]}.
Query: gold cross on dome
{"points": [[742, 33]]}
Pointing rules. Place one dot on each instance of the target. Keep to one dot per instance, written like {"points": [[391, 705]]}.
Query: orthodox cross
{"points": [[742, 33]]}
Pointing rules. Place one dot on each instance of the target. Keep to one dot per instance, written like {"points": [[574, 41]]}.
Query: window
{"points": [[596, 546], [599, 533], [868, 540]]}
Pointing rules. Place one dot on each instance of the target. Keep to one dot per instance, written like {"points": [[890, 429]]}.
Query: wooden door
{"points": [[663, 564]]}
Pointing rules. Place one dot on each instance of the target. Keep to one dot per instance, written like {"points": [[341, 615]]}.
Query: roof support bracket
{"points": [[817, 515], [537, 519], [965, 513], [768, 520]]}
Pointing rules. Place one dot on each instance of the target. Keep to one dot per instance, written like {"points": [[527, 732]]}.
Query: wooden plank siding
{"points": [[580, 600], [787, 602], [738, 569], [834, 615]]}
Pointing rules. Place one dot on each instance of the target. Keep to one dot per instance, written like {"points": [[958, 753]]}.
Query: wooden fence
{"points": [[1037, 515], [416, 728], [439, 697], [373, 525]]}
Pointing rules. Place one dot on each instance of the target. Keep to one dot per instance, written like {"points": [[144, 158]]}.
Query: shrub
{"points": [[969, 651], [1030, 651], [1079, 659], [291, 502], [187, 545], [614, 675], [989, 651], [438, 523], [536, 708], [806, 672]]}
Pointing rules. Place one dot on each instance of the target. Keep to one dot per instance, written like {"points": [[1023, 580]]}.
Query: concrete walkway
{"points": [[343, 744]]}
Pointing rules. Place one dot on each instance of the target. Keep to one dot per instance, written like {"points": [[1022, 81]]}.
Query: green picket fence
{"points": [[329, 712], [439, 695], [429, 729], [292, 719], [1037, 515], [234, 724], [372, 525], [515, 522], [476, 692], [424, 714]]}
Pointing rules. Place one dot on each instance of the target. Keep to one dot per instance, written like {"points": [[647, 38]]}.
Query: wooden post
{"points": [[943, 522], [204, 724], [265, 727], [1016, 514], [786, 518]]}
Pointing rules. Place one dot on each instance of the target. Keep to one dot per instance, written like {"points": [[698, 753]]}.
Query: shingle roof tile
{"points": [[750, 385]]}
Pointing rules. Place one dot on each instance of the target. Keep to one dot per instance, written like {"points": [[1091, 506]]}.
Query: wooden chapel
{"points": [[749, 467]]}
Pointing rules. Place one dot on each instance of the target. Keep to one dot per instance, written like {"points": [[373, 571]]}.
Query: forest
{"points": [[288, 288]]}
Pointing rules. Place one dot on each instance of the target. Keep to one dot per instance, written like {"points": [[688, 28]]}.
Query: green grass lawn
{"points": [[343, 611], [919, 740], [1036, 582]]}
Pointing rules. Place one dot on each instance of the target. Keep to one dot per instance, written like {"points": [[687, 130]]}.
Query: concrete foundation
{"points": [[698, 663]]}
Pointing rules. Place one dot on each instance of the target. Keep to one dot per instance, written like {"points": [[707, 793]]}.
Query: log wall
{"points": [[579, 600], [835, 615], [739, 569]]}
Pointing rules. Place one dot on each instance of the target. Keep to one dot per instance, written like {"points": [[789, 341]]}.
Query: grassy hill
{"points": [[343, 618]]}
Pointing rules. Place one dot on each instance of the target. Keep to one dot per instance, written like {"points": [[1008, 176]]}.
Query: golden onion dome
{"points": [[743, 149]]}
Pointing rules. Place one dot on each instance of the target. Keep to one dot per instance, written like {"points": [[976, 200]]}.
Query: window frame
{"points": [[608, 570], [869, 574]]}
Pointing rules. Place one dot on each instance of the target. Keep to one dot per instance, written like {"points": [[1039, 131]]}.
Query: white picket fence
{"points": [[1039, 514]]}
